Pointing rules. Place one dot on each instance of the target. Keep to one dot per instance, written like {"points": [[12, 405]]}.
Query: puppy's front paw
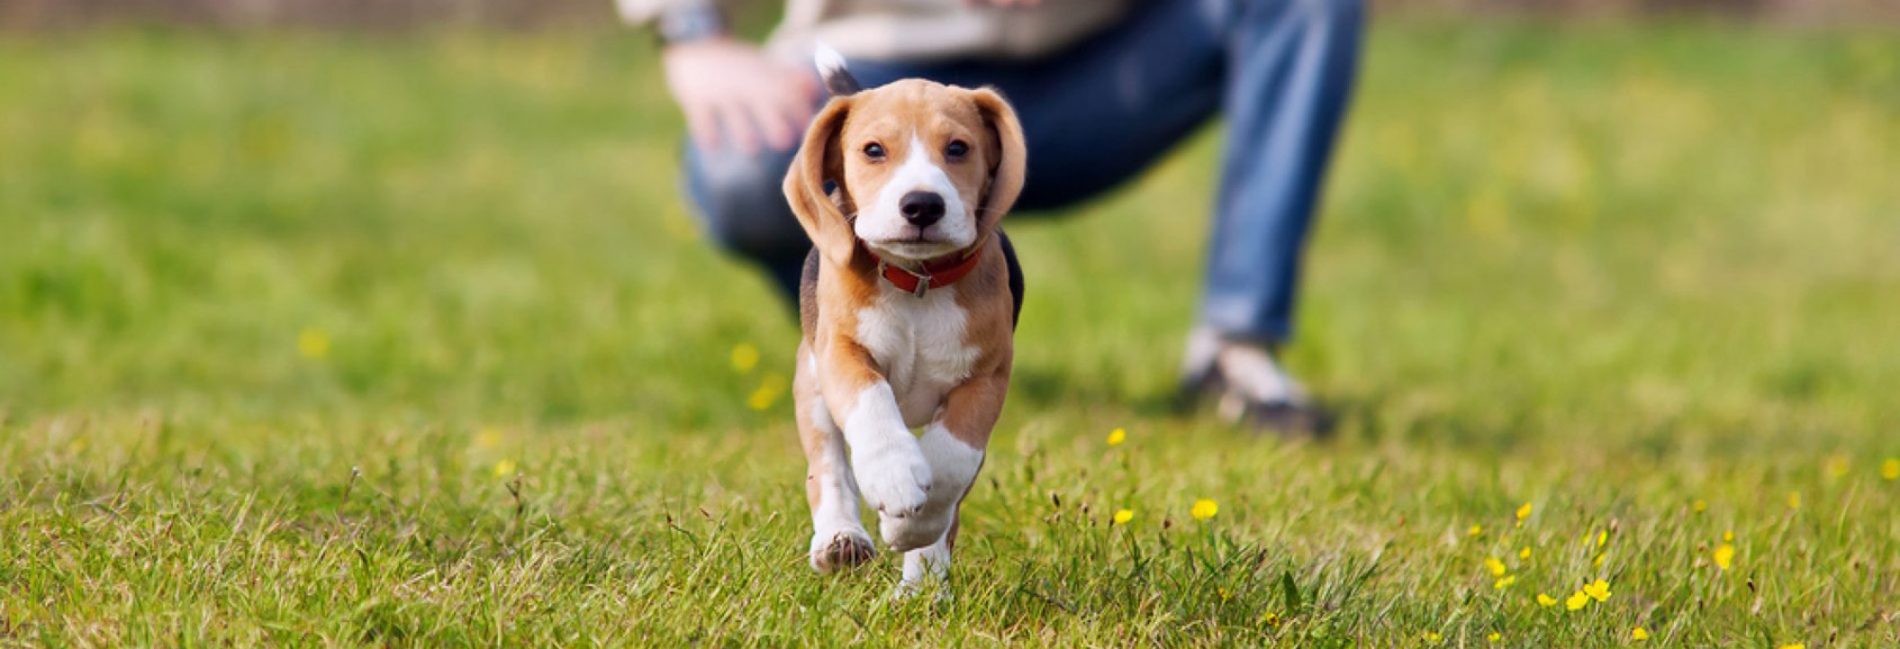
{"points": [[841, 549], [894, 477]]}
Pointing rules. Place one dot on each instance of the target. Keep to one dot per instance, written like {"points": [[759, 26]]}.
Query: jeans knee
{"points": [[740, 204], [1332, 15]]}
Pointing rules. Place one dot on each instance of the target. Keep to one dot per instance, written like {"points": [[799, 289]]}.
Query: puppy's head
{"points": [[915, 170]]}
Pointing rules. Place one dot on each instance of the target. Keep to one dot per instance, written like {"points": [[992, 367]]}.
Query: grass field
{"points": [[406, 340]]}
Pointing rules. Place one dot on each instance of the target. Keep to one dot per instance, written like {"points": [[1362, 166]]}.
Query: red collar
{"points": [[937, 273]]}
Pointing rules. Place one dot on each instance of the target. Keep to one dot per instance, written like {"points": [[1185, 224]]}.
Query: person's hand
{"points": [[734, 94]]}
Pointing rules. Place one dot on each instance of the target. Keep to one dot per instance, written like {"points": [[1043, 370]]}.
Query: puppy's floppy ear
{"points": [[820, 159], [1009, 159]]}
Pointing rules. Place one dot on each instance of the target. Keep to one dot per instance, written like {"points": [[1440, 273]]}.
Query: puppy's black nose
{"points": [[921, 208]]}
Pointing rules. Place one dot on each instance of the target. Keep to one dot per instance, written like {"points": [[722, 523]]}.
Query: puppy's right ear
{"points": [[819, 159]]}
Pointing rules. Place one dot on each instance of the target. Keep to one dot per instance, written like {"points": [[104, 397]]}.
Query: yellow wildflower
{"points": [[1523, 512], [1837, 466], [1577, 601], [1271, 619], [1123, 516], [1546, 601], [745, 356], [504, 468], [1496, 567], [1494, 637], [1724, 556], [1603, 537], [488, 438], [1794, 500], [1525, 553], [767, 393], [1599, 560], [1728, 536], [1890, 469], [1204, 509], [1476, 530], [1432, 637], [1117, 436], [1598, 590], [1505, 582], [1639, 634], [313, 343], [1699, 505], [1793, 645]]}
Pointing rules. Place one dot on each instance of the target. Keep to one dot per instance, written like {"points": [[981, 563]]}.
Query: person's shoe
{"points": [[1250, 387]]}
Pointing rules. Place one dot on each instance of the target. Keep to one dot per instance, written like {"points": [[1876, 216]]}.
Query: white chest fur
{"points": [[918, 345]]}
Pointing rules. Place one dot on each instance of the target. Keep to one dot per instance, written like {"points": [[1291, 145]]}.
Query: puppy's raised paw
{"points": [[894, 478], [841, 549]]}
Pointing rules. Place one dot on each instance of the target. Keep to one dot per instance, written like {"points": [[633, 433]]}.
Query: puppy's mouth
{"points": [[915, 243]]}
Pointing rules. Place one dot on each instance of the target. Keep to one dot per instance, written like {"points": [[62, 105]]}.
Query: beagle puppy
{"points": [[908, 303]]}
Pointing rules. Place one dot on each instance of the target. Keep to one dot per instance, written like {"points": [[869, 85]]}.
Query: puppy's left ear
{"points": [[1008, 158]]}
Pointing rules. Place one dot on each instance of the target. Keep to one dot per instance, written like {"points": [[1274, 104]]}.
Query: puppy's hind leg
{"points": [[838, 536]]}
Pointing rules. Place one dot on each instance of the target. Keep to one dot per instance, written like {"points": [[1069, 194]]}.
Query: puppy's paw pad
{"points": [[842, 550]]}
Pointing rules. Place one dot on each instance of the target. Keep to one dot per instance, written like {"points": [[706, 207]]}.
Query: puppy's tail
{"points": [[831, 69]]}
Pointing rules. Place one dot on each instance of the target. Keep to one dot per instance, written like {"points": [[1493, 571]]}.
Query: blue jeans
{"points": [[1281, 71]]}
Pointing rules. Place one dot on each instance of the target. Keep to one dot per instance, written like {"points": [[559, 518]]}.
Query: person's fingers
{"points": [[773, 127], [796, 107], [737, 128], [702, 125]]}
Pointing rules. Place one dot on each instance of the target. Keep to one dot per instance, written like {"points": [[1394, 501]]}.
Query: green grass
{"points": [[1611, 271]]}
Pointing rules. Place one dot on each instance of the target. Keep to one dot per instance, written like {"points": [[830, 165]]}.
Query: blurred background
{"points": [[1674, 207], [517, 13]]}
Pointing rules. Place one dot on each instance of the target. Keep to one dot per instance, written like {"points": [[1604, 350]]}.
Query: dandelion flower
{"points": [[1525, 553], [1123, 516], [1639, 634], [1494, 637], [1523, 512], [1476, 530], [313, 343], [1117, 436], [488, 438], [1728, 536], [1496, 567], [1432, 637], [745, 356], [1577, 601], [1546, 601], [1724, 556], [1204, 509], [1598, 590], [1890, 469], [1837, 466], [1699, 505], [1504, 582], [767, 393], [504, 468]]}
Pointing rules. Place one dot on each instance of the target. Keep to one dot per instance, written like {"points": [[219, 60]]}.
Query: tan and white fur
{"points": [[877, 362]]}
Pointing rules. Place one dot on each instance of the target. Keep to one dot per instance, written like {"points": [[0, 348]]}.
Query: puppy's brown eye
{"points": [[874, 151], [956, 150]]}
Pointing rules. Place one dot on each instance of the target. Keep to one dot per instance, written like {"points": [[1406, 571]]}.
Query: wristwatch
{"points": [[691, 22]]}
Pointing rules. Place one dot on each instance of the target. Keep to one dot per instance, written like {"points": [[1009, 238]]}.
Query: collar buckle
{"points": [[922, 279]]}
